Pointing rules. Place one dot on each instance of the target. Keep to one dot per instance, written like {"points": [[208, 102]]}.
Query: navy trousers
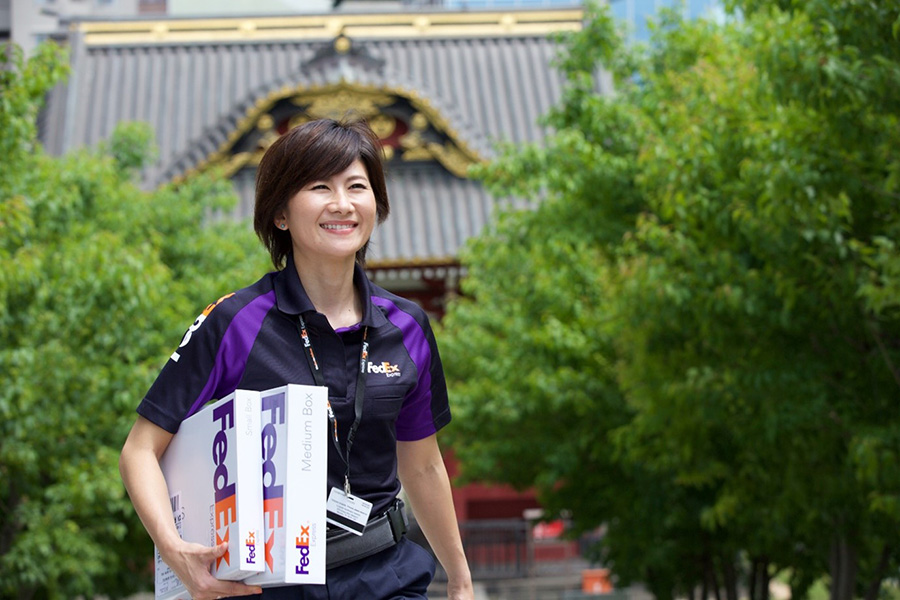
{"points": [[402, 572]]}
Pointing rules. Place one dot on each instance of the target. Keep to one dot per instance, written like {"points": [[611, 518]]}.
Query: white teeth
{"points": [[337, 226]]}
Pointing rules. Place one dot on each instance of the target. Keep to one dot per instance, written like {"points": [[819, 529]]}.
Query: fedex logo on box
{"points": [[301, 543], [251, 548], [273, 492], [226, 500]]}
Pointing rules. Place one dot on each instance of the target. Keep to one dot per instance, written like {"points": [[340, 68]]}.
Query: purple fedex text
{"points": [[226, 507], [224, 489], [273, 494], [274, 405], [251, 547], [302, 544]]}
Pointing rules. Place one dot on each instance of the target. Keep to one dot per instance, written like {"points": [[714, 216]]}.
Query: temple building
{"points": [[440, 89]]}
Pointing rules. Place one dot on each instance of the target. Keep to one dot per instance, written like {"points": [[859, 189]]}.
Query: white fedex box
{"points": [[213, 471], [294, 481]]}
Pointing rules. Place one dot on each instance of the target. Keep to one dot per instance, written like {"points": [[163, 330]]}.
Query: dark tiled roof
{"points": [[432, 214], [479, 78]]}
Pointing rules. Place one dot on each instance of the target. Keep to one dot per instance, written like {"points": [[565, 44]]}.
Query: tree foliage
{"points": [[695, 337], [97, 281]]}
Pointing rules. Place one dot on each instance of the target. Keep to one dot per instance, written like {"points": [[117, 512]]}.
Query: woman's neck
{"points": [[329, 286]]}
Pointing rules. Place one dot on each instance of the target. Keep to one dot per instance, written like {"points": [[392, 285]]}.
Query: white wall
{"points": [[225, 8], [34, 20]]}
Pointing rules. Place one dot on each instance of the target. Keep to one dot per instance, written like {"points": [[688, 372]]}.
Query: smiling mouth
{"points": [[337, 227]]}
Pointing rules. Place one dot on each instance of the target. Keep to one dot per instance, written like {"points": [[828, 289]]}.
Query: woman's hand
{"points": [[460, 590], [192, 562]]}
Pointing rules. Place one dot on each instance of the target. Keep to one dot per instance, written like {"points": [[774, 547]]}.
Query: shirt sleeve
{"points": [[426, 408], [208, 363]]}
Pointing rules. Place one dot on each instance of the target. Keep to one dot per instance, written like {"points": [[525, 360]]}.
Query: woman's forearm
{"points": [[425, 480], [144, 481]]}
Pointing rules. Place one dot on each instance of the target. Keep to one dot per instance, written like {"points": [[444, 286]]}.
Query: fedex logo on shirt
{"points": [[196, 325], [273, 493], [226, 501], [385, 368]]}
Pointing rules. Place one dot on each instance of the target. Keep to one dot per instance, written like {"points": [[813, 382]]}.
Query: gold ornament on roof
{"points": [[417, 154], [419, 121], [374, 26], [265, 123], [412, 140], [298, 119], [414, 149], [451, 157], [342, 44], [383, 125], [336, 105], [334, 26]]}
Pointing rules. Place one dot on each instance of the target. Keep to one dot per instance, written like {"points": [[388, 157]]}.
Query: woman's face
{"points": [[332, 218]]}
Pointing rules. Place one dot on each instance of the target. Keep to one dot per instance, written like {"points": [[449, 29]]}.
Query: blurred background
{"points": [[657, 240]]}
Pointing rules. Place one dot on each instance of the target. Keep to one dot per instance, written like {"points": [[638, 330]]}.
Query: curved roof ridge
{"points": [[215, 142]]}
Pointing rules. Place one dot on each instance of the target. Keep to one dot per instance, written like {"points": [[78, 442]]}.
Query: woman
{"points": [[320, 191]]}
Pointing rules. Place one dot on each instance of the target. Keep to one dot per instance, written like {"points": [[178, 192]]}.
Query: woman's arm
{"points": [[424, 477], [139, 466]]}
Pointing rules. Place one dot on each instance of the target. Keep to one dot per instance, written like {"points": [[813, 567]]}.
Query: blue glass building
{"points": [[632, 12]]}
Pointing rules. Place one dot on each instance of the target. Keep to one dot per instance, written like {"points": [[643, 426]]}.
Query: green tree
{"points": [[98, 280], [729, 220]]}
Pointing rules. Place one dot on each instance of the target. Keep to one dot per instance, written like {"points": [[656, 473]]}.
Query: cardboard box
{"points": [[294, 478], [213, 471]]}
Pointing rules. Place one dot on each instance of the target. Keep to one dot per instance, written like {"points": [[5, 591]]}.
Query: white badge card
{"points": [[347, 511]]}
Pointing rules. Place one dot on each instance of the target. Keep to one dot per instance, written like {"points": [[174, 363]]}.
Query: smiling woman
{"points": [[318, 320], [314, 153]]}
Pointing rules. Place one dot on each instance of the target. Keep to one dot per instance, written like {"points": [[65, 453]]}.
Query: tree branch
{"points": [[880, 571], [887, 358]]}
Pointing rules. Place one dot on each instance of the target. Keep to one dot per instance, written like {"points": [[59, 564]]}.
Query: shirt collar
{"points": [[291, 298]]}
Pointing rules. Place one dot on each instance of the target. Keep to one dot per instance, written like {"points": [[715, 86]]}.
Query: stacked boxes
{"points": [[251, 470], [210, 471]]}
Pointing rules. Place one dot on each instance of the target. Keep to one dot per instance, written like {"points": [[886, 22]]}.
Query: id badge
{"points": [[347, 511]]}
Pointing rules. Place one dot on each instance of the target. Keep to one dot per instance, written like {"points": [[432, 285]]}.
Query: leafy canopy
{"points": [[694, 338], [98, 280]]}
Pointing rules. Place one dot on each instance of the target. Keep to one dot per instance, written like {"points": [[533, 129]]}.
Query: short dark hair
{"points": [[309, 152]]}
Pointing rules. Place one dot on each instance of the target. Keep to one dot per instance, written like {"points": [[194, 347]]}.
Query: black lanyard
{"points": [[360, 393]]}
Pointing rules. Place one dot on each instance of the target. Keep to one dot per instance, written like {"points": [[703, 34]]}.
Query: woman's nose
{"points": [[340, 201]]}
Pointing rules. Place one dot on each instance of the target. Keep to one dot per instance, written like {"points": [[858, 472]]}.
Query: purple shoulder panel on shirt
{"points": [[231, 358], [415, 420]]}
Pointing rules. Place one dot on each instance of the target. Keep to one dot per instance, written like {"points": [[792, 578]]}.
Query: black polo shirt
{"points": [[250, 340]]}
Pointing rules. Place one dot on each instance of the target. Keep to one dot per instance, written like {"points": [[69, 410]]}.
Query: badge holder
{"points": [[347, 511]]}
